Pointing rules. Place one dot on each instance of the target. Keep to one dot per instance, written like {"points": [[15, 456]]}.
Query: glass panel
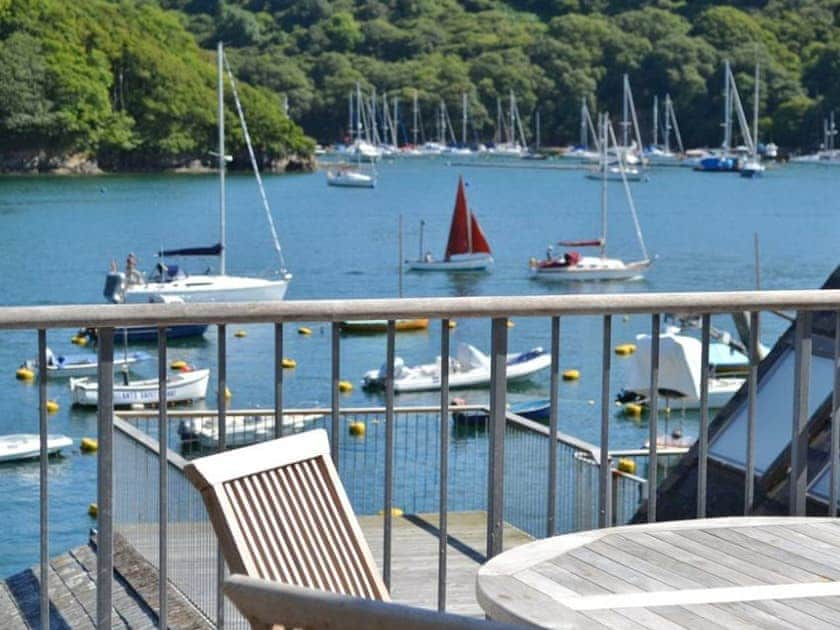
{"points": [[774, 415]]}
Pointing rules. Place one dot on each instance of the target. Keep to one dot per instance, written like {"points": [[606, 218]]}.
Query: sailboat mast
{"points": [[350, 130], [604, 141], [537, 124], [394, 136], [727, 109], [463, 119], [667, 123], [221, 90], [625, 113], [414, 119], [512, 136], [584, 129], [656, 121], [755, 113]]}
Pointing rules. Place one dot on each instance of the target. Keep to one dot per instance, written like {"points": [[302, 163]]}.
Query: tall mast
{"points": [[584, 129], [221, 90], [497, 137], [537, 124], [755, 113], [359, 111], [414, 119], [625, 112], [727, 109], [604, 140], [394, 139], [656, 121], [667, 123], [350, 130], [463, 119], [512, 137]]}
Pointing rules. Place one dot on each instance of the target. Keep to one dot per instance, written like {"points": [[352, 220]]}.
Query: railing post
{"points": [[834, 481], [334, 398], [105, 477], [278, 380], [553, 422], [443, 454], [163, 481], [653, 425], [604, 473], [703, 438], [43, 430], [799, 432], [221, 403], [496, 436], [389, 451], [752, 411]]}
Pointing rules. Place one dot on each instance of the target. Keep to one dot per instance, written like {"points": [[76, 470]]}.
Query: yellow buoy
{"points": [[452, 323], [571, 375], [627, 465], [93, 510], [303, 330], [633, 409], [178, 364], [288, 363], [625, 349], [510, 323], [395, 511], [357, 428], [89, 445], [79, 340], [345, 386], [24, 374], [52, 406], [227, 393], [240, 334]]}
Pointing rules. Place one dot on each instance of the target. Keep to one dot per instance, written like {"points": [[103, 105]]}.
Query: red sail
{"points": [[479, 241], [459, 230]]}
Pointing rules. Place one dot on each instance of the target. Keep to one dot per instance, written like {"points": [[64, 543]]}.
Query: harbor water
{"points": [[59, 235]]}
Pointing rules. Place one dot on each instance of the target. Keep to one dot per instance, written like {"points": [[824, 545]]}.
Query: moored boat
{"points": [[22, 446], [83, 364], [180, 387]]}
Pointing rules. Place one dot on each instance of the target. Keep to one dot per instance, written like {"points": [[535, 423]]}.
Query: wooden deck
{"points": [[733, 573], [73, 594]]}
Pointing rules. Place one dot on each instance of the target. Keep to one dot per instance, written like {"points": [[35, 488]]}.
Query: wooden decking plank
{"points": [[657, 565], [826, 532], [754, 551], [815, 608], [752, 616], [609, 619], [567, 579], [796, 617], [605, 571], [9, 611], [686, 617], [649, 619]]}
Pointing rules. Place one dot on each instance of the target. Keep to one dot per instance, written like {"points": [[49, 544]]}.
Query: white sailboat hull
{"points": [[589, 268], [28, 446], [239, 429], [467, 262], [210, 288], [350, 179], [180, 387]]}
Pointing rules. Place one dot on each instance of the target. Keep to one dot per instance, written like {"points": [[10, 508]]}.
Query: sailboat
{"points": [[752, 166], [571, 265], [467, 248], [170, 281], [353, 176]]}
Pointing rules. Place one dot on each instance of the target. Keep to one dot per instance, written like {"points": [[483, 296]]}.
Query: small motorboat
{"points": [[21, 446], [83, 364], [469, 368], [377, 326], [239, 429], [538, 410], [180, 387], [350, 178]]}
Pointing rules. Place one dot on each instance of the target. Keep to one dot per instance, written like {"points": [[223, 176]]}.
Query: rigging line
{"points": [[266, 206], [626, 184]]}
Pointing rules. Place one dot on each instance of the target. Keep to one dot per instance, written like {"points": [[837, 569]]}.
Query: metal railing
{"points": [[498, 310]]}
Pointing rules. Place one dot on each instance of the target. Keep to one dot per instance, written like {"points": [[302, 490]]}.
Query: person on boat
{"points": [[132, 274], [549, 252], [427, 257]]}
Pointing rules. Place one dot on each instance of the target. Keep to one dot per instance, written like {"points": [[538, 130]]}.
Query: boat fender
{"points": [[625, 349], [532, 263], [24, 374], [240, 333], [303, 330], [52, 406], [89, 445], [228, 394], [633, 409], [345, 386], [510, 323], [178, 364], [93, 510], [288, 363], [357, 429], [395, 511], [452, 323], [571, 375], [627, 465], [79, 340]]}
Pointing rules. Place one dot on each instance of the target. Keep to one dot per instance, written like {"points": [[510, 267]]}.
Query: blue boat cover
{"points": [[212, 250]]}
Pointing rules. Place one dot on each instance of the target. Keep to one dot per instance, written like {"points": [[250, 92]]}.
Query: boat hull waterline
{"points": [[590, 268], [182, 387]]}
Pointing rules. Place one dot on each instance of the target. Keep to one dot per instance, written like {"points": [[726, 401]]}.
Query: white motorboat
{"points": [[468, 368], [180, 387], [616, 173], [169, 280], [467, 248], [20, 446], [83, 364], [571, 265], [679, 371], [350, 178], [239, 429]]}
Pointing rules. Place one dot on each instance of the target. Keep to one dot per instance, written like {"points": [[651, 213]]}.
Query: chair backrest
{"points": [[281, 514], [270, 604]]}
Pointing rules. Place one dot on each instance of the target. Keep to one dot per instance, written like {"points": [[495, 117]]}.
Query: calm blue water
{"points": [[58, 236]]}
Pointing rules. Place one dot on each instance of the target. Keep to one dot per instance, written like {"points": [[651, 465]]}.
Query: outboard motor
{"points": [[114, 290]]}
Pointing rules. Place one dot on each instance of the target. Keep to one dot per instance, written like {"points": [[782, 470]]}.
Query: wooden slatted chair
{"points": [[269, 604], [281, 514]]}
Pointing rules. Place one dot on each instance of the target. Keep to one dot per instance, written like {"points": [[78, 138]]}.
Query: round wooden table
{"points": [[741, 572]]}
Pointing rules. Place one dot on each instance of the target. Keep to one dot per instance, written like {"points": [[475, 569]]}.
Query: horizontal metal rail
{"points": [[694, 303]]}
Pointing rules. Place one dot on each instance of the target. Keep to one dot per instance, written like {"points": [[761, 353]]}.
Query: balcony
{"points": [[519, 479]]}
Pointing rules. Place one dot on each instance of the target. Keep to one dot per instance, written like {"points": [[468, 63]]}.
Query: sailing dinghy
{"points": [[571, 265], [467, 249], [180, 387]]}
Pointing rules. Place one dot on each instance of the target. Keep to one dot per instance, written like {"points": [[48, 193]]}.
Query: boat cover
{"points": [[212, 250]]}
